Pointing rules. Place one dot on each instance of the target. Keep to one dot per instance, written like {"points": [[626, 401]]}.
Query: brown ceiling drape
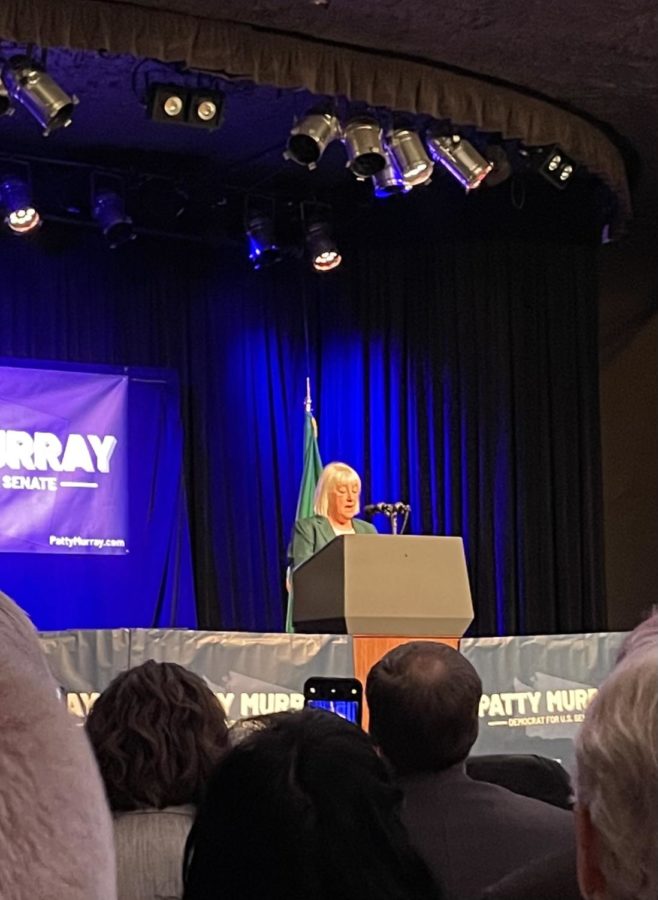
{"points": [[298, 62]]}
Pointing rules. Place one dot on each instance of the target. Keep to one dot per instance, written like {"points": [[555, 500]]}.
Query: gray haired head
{"points": [[644, 636], [617, 781]]}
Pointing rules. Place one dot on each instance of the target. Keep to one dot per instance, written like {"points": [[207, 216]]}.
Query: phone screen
{"points": [[341, 696], [346, 709]]}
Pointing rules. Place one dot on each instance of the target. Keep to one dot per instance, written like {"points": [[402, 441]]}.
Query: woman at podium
{"points": [[336, 503]]}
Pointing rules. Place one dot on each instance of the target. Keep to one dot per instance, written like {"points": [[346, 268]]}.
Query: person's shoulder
{"points": [[526, 774], [364, 527], [168, 821], [521, 805], [308, 526], [309, 522]]}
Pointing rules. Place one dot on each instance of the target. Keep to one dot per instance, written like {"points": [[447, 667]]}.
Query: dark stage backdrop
{"points": [[457, 374]]}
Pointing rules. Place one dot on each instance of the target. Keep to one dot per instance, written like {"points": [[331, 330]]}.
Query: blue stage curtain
{"points": [[458, 374]]}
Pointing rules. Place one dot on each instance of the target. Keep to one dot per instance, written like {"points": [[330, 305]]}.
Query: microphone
{"points": [[387, 508], [373, 508]]}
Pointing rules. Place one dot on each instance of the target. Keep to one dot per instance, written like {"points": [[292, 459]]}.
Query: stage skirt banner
{"points": [[536, 689], [251, 674], [63, 461]]}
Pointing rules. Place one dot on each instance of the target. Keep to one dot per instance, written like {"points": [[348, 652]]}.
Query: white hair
{"points": [[645, 635], [617, 776], [334, 473]]}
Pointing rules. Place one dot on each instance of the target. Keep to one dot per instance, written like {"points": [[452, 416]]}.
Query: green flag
{"points": [[310, 473]]}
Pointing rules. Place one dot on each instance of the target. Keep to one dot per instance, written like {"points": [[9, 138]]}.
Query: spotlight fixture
{"points": [[310, 137], [6, 109], [21, 216], [28, 82], [389, 181], [322, 248], [555, 166], [501, 165], [109, 211], [460, 158], [365, 149], [406, 148], [263, 249], [206, 109], [180, 105]]}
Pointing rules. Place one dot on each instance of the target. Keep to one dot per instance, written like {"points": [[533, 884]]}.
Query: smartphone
{"points": [[343, 696]]}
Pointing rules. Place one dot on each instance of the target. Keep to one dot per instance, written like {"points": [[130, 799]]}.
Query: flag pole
{"points": [[308, 403]]}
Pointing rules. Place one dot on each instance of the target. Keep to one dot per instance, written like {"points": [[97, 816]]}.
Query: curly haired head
{"points": [[157, 731]]}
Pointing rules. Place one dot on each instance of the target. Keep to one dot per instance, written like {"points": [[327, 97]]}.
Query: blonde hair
{"points": [[332, 475]]}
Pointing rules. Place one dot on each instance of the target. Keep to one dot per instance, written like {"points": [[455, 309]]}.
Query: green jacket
{"points": [[312, 534]]}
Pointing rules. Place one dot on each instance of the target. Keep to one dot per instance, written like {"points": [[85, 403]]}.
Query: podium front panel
{"points": [[385, 585]]}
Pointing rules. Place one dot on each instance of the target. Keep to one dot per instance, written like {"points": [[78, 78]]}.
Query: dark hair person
{"points": [[303, 808], [423, 699], [157, 731]]}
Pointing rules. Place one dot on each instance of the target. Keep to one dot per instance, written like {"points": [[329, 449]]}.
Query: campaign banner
{"points": [[536, 689], [250, 674], [63, 461]]}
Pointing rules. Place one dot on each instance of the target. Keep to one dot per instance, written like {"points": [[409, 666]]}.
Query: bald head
{"points": [[424, 699]]}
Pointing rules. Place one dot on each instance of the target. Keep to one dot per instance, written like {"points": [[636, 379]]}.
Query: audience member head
{"points": [[303, 808], [424, 701], [617, 784], [645, 635], [158, 731]]}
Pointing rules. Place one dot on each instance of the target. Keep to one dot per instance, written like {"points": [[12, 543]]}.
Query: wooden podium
{"points": [[384, 590]]}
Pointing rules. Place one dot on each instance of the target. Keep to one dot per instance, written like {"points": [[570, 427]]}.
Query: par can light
{"points": [[460, 158], [310, 137], [27, 82], [365, 148]]}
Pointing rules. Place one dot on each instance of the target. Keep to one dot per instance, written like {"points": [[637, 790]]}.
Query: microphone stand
{"points": [[393, 516], [405, 521]]}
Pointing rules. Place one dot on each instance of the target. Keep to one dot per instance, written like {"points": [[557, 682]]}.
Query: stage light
{"points": [[172, 106], [322, 248], [365, 150], [389, 182], [28, 82], [501, 165], [310, 137], [263, 249], [109, 211], [6, 109], [206, 109], [460, 158], [556, 167], [180, 105], [407, 150], [21, 216]]}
